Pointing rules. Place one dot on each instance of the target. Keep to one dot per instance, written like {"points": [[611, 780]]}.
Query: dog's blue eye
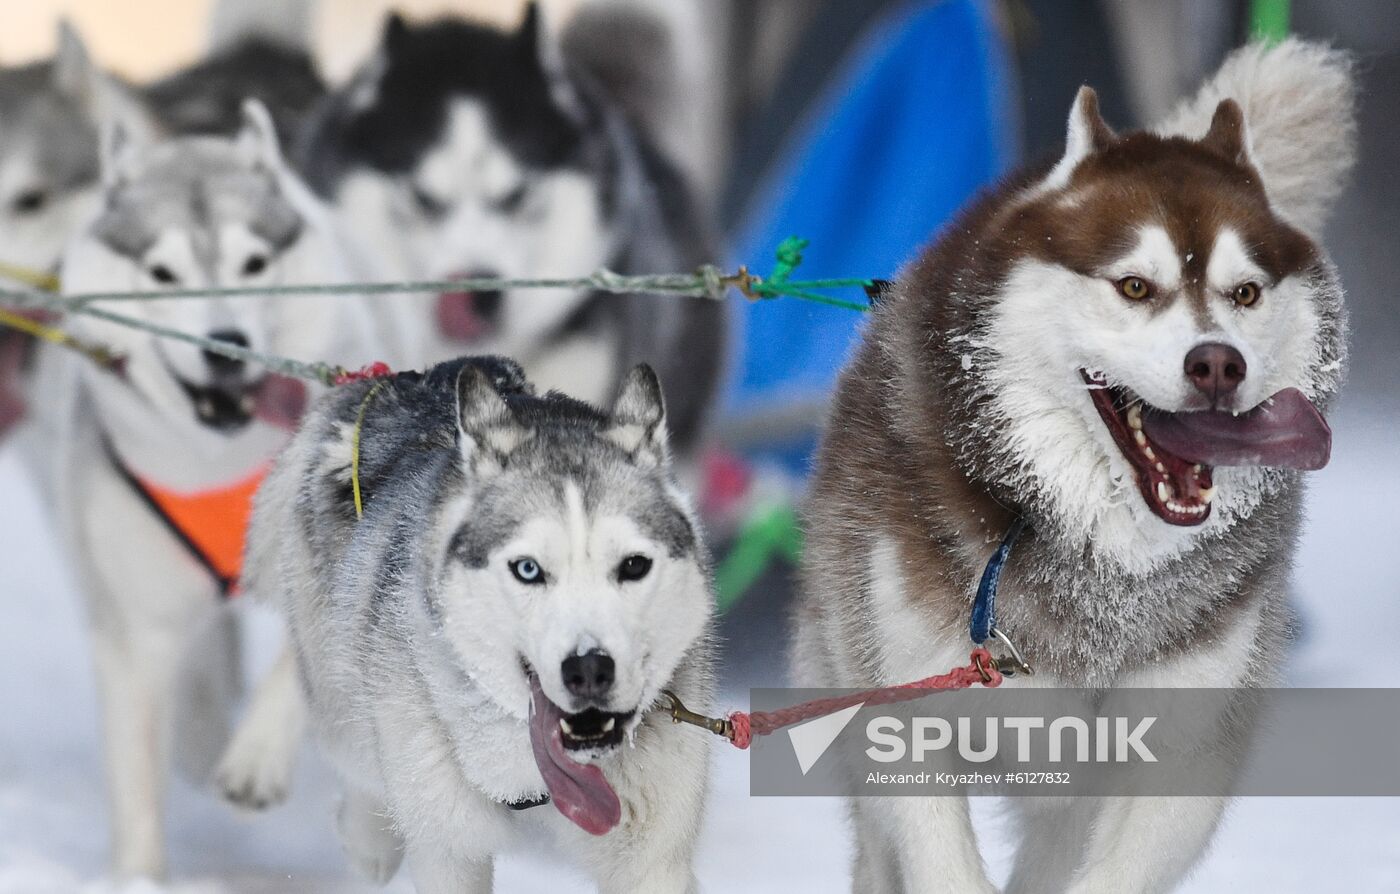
{"points": [[527, 571], [633, 568]]}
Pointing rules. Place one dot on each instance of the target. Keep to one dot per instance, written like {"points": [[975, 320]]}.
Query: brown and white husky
{"points": [[1129, 349]]}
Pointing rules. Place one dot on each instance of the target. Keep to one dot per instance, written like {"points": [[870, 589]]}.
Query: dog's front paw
{"points": [[369, 839], [255, 773]]}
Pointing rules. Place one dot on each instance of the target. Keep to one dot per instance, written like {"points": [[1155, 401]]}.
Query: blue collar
{"points": [[984, 607]]}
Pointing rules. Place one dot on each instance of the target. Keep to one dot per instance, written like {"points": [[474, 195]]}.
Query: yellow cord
{"points": [[355, 449], [34, 327], [47, 282], [97, 353]]}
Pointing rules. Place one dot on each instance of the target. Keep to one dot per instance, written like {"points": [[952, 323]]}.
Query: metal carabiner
{"points": [[681, 714], [1016, 663]]}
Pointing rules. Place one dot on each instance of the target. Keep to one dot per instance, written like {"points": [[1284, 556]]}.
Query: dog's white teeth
{"points": [[1135, 417], [1147, 452], [609, 724], [1207, 494], [1161, 468], [1197, 468], [566, 726], [1140, 438], [1164, 493]]}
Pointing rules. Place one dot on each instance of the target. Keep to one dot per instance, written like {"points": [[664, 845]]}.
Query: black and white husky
{"points": [[497, 629], [1128, 350], [461, 150]]}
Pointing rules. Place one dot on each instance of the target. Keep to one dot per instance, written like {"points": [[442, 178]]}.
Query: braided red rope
{"points": [[981, 669], [377, 369]]}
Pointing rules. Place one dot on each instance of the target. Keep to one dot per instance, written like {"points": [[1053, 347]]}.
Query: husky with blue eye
{"points": [[462, 150], [1128, 350], [484, 648]]}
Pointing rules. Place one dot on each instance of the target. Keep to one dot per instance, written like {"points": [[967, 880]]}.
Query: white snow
{"points": [[53, 822]]}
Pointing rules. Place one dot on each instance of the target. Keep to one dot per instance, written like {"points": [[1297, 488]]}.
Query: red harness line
{"points": [[741, 727], [374, 370]]}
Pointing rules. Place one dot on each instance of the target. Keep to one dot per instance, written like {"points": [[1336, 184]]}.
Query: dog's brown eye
{"points": [[1246, 293], [1134, 287], [254, 265], [164, 275]]}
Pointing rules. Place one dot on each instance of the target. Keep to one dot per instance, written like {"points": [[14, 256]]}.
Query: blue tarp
{"points": [[918, 120]]}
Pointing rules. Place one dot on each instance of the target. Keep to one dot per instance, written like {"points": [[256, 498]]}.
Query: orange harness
{"points": [[210, 523]]}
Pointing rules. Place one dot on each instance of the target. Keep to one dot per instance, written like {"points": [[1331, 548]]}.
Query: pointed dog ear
{"points": [[257, 137], [487, 430], [1086, 134], [391, 39], [98, 95], [1228, 136], [73, 71], [638, 423], [541, 48], [116, 154]]}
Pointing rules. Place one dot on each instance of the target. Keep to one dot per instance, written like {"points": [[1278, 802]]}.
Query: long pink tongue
{"points": [[1285, 431], [280, 401], [580, 791]]}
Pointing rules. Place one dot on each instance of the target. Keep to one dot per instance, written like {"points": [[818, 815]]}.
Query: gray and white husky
{"points": [[462, 150], [1128, 350], [174, 423], [497, 629]]}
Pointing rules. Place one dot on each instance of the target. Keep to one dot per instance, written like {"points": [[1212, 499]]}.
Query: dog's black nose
{"points": [[589, 675], [1216, 369], [218, 363]]}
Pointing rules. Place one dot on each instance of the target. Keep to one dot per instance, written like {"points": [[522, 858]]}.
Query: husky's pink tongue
{"points": [[280, 401], [457, 317], [1285, 431], [580, 791]]}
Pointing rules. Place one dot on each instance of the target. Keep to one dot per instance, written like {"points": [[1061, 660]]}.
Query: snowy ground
{"points": [[53, 824]]}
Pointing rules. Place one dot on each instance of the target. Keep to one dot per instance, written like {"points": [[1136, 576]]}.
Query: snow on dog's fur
{"points": [[462, 150], [191, 212], [1129, 349], [498, 626]]}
